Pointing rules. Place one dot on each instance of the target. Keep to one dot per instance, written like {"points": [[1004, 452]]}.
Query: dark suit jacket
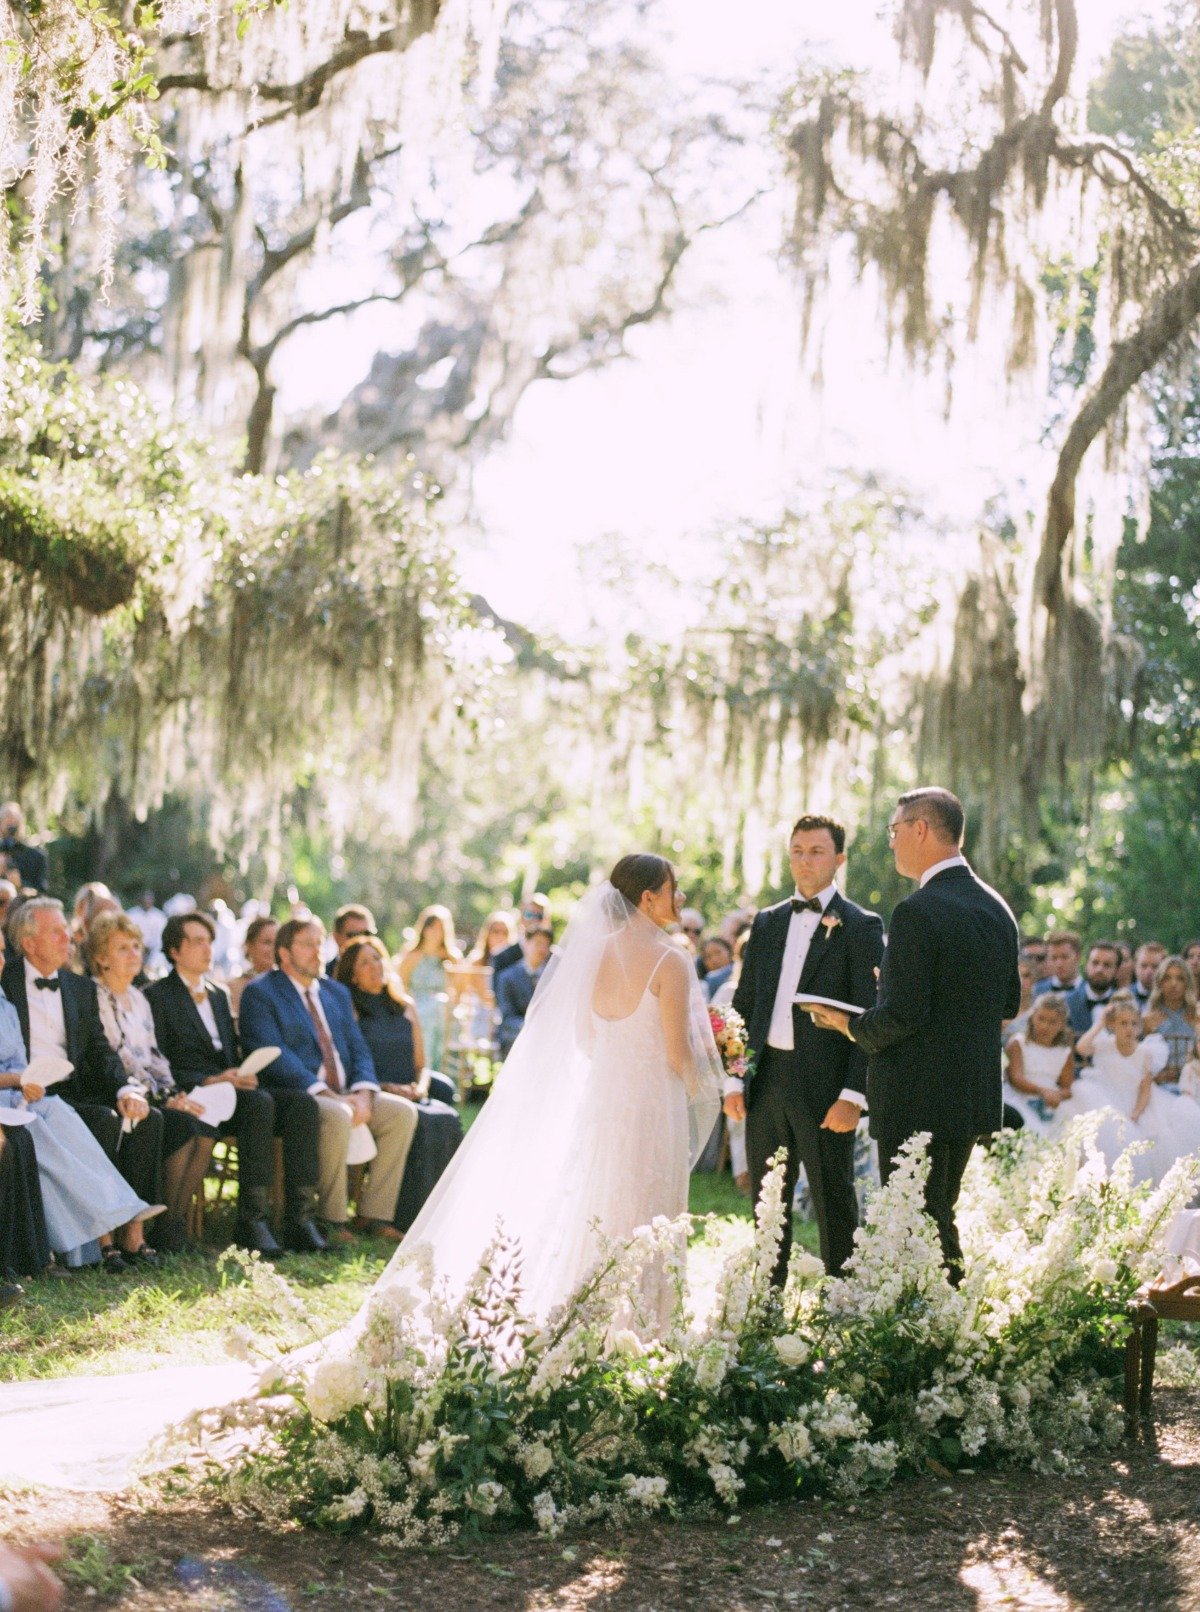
{"points": [[949, 978], [841, 963], [182, 1037], [99, 1072], [514, 989], [31, 863], [272, 1015]]}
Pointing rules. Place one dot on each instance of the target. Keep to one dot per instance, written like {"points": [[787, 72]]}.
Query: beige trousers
{"points": [[393, 1124]]}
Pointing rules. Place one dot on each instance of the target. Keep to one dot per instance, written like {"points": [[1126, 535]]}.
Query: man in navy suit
{"points": [[949, 979], [193, 1025], [514, 987], [311, 1019], [806, 1090]]}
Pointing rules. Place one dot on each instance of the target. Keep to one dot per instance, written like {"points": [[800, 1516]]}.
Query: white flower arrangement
{"points": [[451, 1417]]}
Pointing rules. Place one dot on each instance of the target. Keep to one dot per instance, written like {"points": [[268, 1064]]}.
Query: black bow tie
{"points": [[46, 985], [813, 904]]}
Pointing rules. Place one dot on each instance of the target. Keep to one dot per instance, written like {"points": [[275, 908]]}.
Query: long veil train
{"points": [[554, 1148]]}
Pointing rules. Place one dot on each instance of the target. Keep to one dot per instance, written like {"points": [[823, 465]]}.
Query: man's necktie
{"points": [[813, 904], [328, 1056], [47, 985]]}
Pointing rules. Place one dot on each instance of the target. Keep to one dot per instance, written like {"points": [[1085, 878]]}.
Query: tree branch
{"points": [[1168, 318]]}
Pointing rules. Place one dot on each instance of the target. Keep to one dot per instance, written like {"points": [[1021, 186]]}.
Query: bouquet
{"points": [[729, 1032]]}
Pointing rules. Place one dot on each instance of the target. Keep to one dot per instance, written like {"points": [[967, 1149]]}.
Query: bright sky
{"points": [[715, 415]]}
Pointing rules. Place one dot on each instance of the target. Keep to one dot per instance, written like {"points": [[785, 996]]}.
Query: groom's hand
{"points": [[842, 1115]]}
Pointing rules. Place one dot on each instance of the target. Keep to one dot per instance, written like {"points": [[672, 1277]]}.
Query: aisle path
{"points": [[94, 1432]]}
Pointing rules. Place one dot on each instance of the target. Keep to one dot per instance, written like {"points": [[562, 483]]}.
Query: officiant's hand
{"points": [[32, 1092], [830, 1019], [842, 1116], [735, 1106], [133, 1108]]}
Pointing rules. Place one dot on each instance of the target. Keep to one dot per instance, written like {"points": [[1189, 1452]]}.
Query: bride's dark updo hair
{"points": [[642, 871]]}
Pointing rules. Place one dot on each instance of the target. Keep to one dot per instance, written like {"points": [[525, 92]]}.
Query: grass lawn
{"points": [[98, 1324]]}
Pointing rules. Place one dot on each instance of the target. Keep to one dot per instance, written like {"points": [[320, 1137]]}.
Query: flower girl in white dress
{"points": [[1041, 1064], [1121, 1080]]}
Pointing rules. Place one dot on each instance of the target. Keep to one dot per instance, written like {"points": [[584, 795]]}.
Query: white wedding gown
{"points": [[590, 1132]]}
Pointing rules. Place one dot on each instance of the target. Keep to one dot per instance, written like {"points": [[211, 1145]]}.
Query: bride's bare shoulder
{"points": [[675, 968]]}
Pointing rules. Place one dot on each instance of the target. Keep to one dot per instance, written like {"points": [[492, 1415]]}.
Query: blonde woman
{"points": [[1171, 1013], [422, 969]]}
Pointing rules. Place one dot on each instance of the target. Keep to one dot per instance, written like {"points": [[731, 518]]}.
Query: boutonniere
{"points": [[829, 923]]}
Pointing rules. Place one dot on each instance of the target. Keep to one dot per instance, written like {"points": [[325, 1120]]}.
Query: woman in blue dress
{"points": [[423, 975], [85, 1198], [390, 1027]]}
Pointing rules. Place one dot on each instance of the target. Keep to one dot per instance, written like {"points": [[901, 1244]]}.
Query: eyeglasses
{"points": [[892, 827]]}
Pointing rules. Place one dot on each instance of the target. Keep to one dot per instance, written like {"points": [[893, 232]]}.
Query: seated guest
{"points": [[28, 861], [717, 957], [349, 923], [84, 1196], [496, 943], [151, 921], [1027, 972], [1063, 951], [24, 1240], [59, 1015], [193, 1026], [90, 901], [391, 1029], [496, 939], [535, 914], [515, 987], [114, 952], [258, 948], [8, 894], [1172, 1015], [323, 1055], [1145, 966], [1191, 956], [691, 924], [422, 968], [1085, 995]]}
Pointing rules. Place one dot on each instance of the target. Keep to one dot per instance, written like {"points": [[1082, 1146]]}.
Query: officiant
{"points": [[806, 1090]]}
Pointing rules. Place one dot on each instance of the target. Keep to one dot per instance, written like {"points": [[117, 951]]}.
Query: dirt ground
{"points": [[1122, 1534]]}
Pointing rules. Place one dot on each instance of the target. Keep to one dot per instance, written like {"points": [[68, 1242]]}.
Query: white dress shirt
{"points": [[47, 1027], [313, 995], [802, 926], [955, 861]]}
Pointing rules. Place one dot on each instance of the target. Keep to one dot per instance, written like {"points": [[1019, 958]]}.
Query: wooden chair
{"points": [[224, 1170], [1155, 1302]]}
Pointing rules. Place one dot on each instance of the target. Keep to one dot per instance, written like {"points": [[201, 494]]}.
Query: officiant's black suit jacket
{"points": [[841, 963], [99, 1073], [182, 1038], [949, 979]]}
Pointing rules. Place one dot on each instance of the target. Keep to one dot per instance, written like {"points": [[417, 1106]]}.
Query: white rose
{"points": [[792, 1350]]}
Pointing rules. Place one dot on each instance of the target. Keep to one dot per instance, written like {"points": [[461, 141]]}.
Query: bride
{"points": [[607, 1098]]}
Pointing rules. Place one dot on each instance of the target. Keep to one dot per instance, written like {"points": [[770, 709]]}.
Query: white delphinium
{"points": [[650, 1493]]}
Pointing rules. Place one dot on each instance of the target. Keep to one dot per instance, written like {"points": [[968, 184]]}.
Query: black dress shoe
{"points": [[256, 1235], [304, 1237]]}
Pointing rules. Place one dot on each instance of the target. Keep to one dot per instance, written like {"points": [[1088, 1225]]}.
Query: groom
{"points": [[805, 1091], [949, 979]]}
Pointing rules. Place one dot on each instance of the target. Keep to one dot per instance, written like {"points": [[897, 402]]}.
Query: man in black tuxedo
{"points": [[193, 1025], [806, 1090], [60, 1017], [949, 980]]}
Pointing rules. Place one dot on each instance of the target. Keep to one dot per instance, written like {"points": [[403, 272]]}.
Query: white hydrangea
{"points": [[486, 1497], [333, 1388], [725, 1481], [535, 1461]]}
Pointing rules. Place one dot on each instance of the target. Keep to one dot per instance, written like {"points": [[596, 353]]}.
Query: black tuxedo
{"points": [[184, 1041], [949, 980], [789, 1093], [98, 1077]]}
